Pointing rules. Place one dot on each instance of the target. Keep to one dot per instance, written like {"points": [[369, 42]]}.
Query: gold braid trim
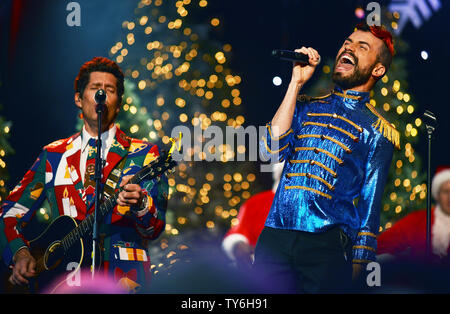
{"points": [[316, 149], [331, 126], [336, 116], [364, 247], [306, 98], [313, 162], [321, 97], [273, 151], [347, 150], [347, 95], [386, 128], [277, 138], [308, 189], [330, 186], [370, 234]]}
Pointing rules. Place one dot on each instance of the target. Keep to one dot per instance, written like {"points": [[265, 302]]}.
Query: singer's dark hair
{"points": [[99, 64], [387, 50]]}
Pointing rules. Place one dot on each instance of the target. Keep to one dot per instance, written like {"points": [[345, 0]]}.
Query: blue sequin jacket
{"points": [[337, 156]]}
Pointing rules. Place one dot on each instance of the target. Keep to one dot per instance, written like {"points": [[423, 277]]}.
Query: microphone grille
{"points": [[100, 96]]}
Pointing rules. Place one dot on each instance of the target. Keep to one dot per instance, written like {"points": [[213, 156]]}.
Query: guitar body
{"points": [[53, 263]]}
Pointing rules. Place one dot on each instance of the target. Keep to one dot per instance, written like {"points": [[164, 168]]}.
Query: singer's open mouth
{"points": [[346, 63]]}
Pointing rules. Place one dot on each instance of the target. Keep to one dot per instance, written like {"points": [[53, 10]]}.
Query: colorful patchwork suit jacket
{"points": [[53, 186]]}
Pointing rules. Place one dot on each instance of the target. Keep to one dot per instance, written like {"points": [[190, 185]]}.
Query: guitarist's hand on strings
{"points": [[24, 267], [132, 194]]}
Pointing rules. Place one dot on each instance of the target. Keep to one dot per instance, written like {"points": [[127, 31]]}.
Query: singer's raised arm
{"points": [[279, 130], [301, 73]]}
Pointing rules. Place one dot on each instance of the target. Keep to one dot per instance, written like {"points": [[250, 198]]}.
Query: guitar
{"points": [[64, 241]]}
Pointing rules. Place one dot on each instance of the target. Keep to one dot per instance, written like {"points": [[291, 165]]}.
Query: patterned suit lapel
{"points": [[117, 151], [73, 170]]}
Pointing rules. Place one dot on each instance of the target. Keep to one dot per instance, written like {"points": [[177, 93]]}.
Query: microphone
{"points": [[429, 120], [100, 99], [293, 56]]}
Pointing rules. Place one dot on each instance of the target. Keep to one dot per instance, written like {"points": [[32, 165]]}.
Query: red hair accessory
{"points": [[380, 32]]}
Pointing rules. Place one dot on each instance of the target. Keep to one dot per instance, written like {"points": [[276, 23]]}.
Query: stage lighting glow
{"points": [[424, 55], [359, 12], [277, 81]]}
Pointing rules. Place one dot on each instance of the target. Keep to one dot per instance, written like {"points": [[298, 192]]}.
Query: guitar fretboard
{"points": [[86, 226]]}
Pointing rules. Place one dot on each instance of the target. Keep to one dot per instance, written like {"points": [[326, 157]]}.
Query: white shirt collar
{"points": [[107, 137]]}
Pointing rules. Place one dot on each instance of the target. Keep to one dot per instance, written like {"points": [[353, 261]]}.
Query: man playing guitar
{"points": [[62, 179]]}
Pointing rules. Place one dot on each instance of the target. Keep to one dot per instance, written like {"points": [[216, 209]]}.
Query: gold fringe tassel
{"points": [[388, 131], [385, 128]]}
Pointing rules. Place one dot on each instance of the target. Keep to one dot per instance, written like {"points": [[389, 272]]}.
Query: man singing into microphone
{"points": [[337, 151], [61, 180]]}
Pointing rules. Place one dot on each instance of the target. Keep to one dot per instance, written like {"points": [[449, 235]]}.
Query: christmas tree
{"points": [[405, 189], [181, 79]]}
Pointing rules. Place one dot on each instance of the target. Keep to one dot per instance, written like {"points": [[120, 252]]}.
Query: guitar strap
{"points": [[113, 179]]}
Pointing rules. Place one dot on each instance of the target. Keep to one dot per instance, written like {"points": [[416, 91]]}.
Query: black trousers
{"points": [[290, 261]]}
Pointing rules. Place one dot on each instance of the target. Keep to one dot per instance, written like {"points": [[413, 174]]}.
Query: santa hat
{"points": [[442, 175]]}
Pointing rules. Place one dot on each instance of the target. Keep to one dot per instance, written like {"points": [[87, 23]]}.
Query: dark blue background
{"points": [[37, 79]]}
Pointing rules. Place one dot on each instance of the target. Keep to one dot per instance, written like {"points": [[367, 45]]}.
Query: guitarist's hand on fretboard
{"points": [[24, 267]]}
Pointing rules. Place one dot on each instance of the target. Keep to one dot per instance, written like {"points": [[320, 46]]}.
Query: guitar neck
{"points": [[87, 225]]}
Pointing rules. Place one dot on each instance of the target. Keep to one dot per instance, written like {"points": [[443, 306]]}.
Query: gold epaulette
{"points": [[385, 127], [306, 98]]}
